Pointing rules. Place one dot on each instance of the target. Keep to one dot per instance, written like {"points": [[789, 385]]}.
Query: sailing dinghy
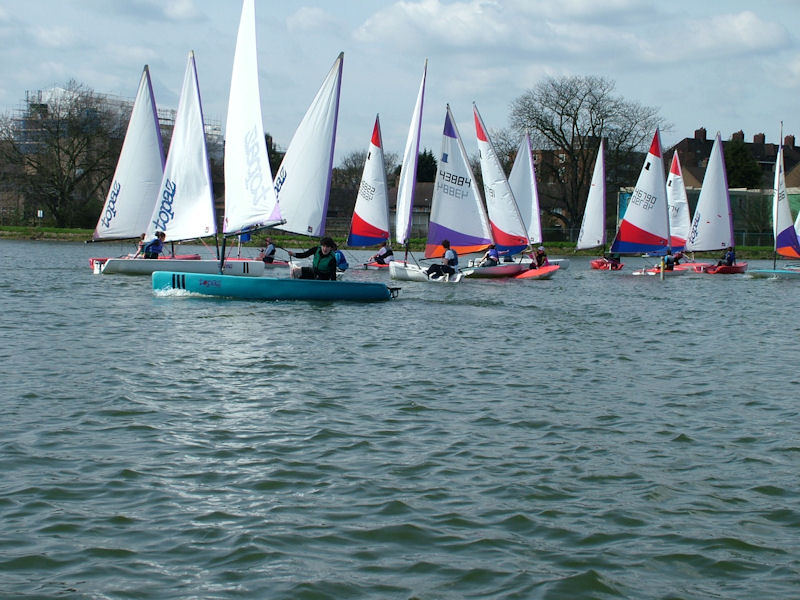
{"points": [[457, 212], [370, 223], [712, 225], [134, 187], [644, 228], [184, 206], [786, 239], [593, 225], [254, 203]]}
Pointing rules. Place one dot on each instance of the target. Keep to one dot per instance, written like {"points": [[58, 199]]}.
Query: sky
{"points": [[726, 65]]}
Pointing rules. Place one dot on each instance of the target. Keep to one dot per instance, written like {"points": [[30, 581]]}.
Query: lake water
{"points": [[597, 435]]}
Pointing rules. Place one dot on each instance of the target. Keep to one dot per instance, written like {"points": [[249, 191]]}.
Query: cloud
{"points": [[312, 20]]}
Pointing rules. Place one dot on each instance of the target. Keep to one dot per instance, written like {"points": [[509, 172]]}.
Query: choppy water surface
{"points": [[593, 436]]}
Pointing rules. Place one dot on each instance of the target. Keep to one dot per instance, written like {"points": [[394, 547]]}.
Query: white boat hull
{"points": [[143, 266], [406, 272]]}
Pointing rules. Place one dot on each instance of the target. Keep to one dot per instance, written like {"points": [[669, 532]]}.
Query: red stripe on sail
{"points": [[376, 134], [675, 168], [478, 128], [655, 146]]}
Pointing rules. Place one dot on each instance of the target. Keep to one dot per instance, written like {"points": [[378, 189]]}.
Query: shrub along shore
{"points": [[290, 241]]}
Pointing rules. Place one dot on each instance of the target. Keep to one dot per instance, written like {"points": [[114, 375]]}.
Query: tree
{"points": [[742, 169], [566, 118], [426, 166], [64, 151]]}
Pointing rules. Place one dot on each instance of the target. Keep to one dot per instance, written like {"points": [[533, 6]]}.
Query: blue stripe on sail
{"points": [[634, 248], [449, 130]]}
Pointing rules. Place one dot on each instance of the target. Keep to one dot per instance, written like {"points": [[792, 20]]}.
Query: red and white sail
{"points": [[645, 226], [508, 230], [593, 226], [678, 203], [370, 223]]}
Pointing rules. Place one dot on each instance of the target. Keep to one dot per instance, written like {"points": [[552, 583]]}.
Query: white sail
{"points": [[408, 172], [250, 200], [370, 223], [593, 226], [645, 225], [523, 183], [132, 195], [457, 212], [508, 230], [679, 221], [185, 203], [303, 180], [712, 226]]}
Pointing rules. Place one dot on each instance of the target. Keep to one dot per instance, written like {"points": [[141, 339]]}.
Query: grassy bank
{"points": [[293, 241]]}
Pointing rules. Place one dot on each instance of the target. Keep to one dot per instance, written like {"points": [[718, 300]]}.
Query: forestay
{"points": [[457, 212], [185, 203], [303, 180], [250, 200], [507, 227], [132, 195]]}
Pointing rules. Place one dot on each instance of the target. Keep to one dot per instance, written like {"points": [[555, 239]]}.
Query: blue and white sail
{"points": [[185, 203], [132, 195]]}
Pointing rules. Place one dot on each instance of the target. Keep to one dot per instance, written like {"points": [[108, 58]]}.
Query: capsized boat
{"points": [[545, 272], [271, 288]]}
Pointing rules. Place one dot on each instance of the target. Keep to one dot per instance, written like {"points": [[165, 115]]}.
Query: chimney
{"points": [[700, 134], [738, 136], [788, 141], [758, 138]]}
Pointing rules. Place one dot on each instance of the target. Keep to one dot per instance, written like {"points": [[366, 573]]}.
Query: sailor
{"points": [[156, 246], [449, 264], [491, 258], [267, 254], [323, 263], [384, 255]]}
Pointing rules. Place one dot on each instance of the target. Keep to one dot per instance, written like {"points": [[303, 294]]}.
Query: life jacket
{"points": [[324, 264], [154, 247], [494, 254], [453, 262], [341, 261]]}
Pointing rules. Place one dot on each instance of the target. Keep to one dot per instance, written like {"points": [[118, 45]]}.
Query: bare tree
{"points": [[566, 118], [65, 149]]}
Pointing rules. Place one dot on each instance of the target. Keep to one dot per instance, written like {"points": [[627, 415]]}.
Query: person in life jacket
{"points": [[539, 258], [491, 258], [669, 261], [384, 255], [449, 264], [268, 253], [156, 246], [323, 262]]}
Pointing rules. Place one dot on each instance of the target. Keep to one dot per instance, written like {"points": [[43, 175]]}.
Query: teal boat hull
{"points": [[272, 288], [774, 273]]}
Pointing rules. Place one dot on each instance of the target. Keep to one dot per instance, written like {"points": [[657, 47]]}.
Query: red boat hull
{"points": [[727, 269], [603, 264]]}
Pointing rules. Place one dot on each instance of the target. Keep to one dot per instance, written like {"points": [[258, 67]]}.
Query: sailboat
{"points": [[593, 224], [408, 170], [304, 176], [644, 228], [184, 207], [254, 204], [786, 239], [370, 223], [132, 194], [712, 225], [508, 231], [678, 203], [457, 212]]}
